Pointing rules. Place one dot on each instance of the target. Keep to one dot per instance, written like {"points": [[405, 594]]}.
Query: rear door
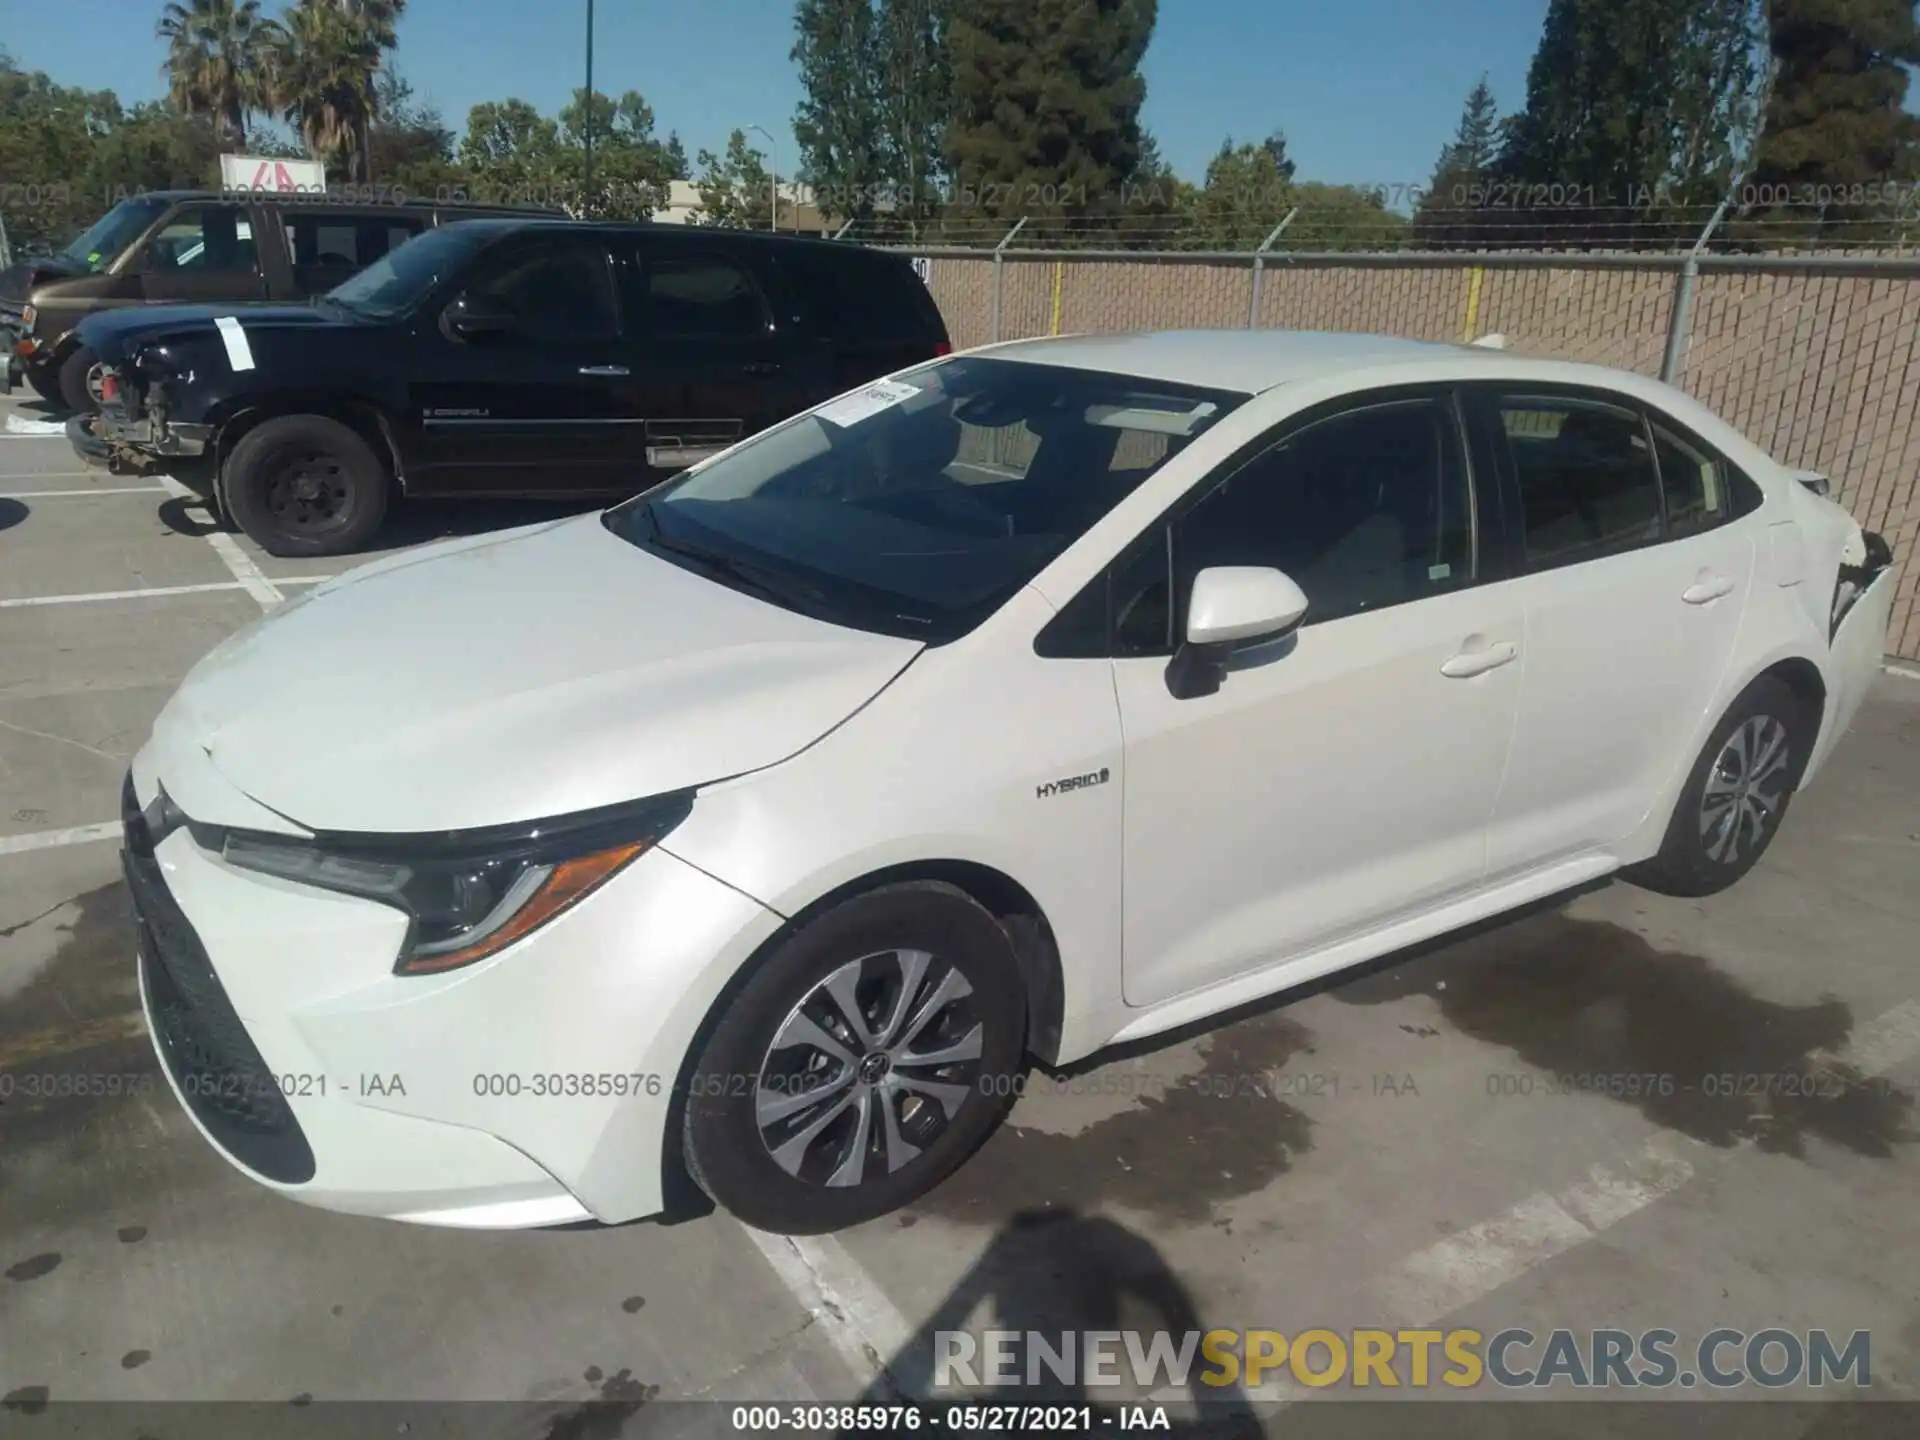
{"points": [[205, 250], [713, 363], [1632, 558], [548, 409]]}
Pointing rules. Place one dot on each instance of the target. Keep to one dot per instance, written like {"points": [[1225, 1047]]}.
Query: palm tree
{"points": [[217, 61], [324, 70]]}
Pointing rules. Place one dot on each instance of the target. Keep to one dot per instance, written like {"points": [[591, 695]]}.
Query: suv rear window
{"points": [[857, 294]]}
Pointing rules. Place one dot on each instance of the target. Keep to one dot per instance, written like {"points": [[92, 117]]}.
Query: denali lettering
{"points": [[1074, 782]]}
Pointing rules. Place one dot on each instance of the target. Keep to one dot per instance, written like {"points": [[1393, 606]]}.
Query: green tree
{"points": [[326, 62], [218, 61], [1343, 217], [632, 170], [511, 151], [837, 122], [1464, 161], [1247, 191], [1835, 113], [410, 145], [914, 94], [1046, 107], [735, 188], [1634, 99]]}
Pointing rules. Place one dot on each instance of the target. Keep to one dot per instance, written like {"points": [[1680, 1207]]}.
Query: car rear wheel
{"points": [[304, 485], [860, 1065], [80, 382], [1736, 796]]}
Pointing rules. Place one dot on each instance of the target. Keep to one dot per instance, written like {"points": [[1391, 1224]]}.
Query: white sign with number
{"points": [[263, 172]]}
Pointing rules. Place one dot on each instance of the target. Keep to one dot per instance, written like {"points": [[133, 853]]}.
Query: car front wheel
{"points": [[1736, 795], [79, 382], [45, 381], [867, 1057], [304, 485]]}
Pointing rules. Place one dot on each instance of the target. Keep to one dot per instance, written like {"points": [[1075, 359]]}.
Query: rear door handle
{"points": [[1469, 663], [604, 370], [1707, 589]]}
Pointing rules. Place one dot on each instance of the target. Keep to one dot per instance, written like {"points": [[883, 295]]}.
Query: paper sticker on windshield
{"points": [[239, 353], [865, 402]]}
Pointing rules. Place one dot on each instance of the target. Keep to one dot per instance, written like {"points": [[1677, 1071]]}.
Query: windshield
{"points": [[102, 242], [918, 506], [399, 279]]}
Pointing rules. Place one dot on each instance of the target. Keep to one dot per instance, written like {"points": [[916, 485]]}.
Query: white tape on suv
{"points": [[239, 353]]}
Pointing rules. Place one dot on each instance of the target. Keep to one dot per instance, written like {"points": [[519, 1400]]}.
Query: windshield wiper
{"points": [[745, 574]]}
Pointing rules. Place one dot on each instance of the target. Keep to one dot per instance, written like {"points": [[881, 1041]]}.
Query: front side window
{"points": [[919, 506], [214, 239], [1588, 487], [1368, 509], [558, 291]]}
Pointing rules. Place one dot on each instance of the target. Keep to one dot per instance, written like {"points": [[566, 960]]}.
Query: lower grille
{"points": [[201, 1040]]}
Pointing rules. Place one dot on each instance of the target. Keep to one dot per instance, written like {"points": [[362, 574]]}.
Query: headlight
{"points": [[468, 894]]}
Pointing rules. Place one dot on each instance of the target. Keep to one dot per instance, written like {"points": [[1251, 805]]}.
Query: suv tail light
{"points": [[942, 347]]}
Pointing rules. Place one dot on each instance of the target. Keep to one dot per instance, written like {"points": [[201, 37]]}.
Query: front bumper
{"points": [[531, 1089]]}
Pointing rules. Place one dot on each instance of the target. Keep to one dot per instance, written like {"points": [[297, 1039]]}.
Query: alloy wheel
{"points": [[869, 1069], [1745, 789]]}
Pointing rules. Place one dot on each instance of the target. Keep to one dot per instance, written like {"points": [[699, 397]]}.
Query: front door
{"points": [[548, 408], [1341, 778], [203, 253], [1634, 564]]}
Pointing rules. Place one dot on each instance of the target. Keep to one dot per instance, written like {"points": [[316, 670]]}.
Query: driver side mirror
{"points": [[471, 316], [1231, 608]]}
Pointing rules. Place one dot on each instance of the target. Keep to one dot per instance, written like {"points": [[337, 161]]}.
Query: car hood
{"points": [[18, 280], [522, 675], [114, 332]]}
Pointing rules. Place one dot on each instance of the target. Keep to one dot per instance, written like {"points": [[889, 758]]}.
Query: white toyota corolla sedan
{"points": [[760, 830]]}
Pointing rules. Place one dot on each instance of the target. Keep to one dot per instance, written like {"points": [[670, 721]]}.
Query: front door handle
{"points": [[1707, 589], [763, 367], [604, 370], [1469, 663]]}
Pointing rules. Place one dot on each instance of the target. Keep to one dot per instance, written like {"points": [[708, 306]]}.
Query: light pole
{"points": [[773, 217], [586, 198]]}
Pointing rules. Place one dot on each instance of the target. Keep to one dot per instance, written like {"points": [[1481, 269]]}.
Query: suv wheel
{"points": [[305, 485], [860, 1065], [1734, 800], [80, 382]]}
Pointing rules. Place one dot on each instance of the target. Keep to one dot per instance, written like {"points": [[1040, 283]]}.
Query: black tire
{"points": [[74, 393], [725, 1150], [46, 383], [1696, 858], [304, 485]]}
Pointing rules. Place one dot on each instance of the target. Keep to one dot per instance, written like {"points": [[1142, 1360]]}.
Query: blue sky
{"points": [[1366, 90]]}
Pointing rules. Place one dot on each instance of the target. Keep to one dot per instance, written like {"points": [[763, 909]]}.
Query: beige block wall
{"points": [[1822, 371]]}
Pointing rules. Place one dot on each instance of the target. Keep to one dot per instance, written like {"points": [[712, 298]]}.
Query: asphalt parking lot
{"points": [[1431, 1144]]}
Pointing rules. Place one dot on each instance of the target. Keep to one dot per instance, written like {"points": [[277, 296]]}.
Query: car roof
{"points": [[1248, 361], [734, 235]]}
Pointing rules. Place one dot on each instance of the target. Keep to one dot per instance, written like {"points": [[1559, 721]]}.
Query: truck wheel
{"points": [[79, 385], [46, 383], [305, 485]]}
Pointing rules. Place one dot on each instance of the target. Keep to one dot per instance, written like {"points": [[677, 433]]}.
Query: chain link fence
{"points": [[1811, 352]]}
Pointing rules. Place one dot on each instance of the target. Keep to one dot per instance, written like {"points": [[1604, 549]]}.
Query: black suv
{"points": [[559, 359], [169, 246]]}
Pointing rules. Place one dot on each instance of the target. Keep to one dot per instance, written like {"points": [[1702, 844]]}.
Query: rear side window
{"points": [[327, 248], [854, 294], [1586, 475]]}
